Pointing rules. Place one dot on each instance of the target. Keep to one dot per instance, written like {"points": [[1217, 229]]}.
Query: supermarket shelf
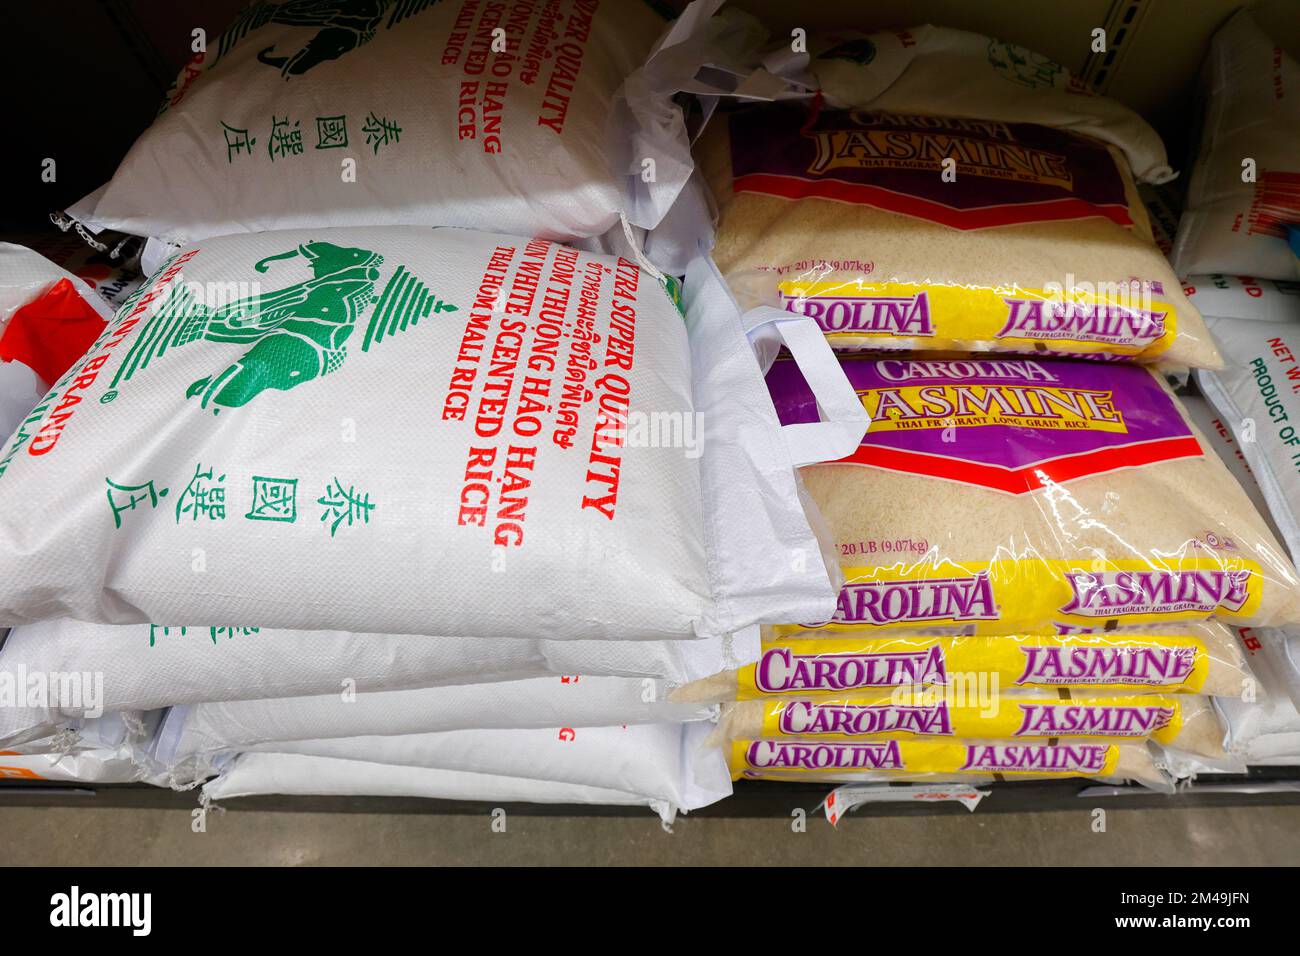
{"points": [[1263, 786]]}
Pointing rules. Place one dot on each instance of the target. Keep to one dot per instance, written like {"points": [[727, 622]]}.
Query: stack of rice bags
{"points": [[48, 317], [379, 508], [1041, 550], [1231, 245]]}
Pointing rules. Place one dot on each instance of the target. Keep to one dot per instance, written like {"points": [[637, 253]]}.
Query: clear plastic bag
{"points": [[1026, 495], [1037, 241], [1197, 658], [970, 761], [1187, 721]]}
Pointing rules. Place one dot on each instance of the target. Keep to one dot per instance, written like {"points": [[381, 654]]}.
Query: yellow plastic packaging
{"points": [[835, 761], [1201, 658], [1186, 721], [1020, 594]]}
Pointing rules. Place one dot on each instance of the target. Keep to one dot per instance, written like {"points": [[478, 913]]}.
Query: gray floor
{"points": [[1266, 836]]}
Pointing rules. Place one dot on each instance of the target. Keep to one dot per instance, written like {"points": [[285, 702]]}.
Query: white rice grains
{"points": [[1032, 239], [1020, 495]]}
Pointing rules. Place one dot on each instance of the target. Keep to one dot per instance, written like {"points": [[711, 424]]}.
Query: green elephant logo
{"points": [[341, 27], [296, 334], [1025, 67]]}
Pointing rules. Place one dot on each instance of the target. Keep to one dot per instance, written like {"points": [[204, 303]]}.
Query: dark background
{"points": [[83, 78]]}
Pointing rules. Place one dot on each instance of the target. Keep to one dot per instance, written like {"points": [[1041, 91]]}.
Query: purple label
{"points": [[1006, 173], [1012, 424]]}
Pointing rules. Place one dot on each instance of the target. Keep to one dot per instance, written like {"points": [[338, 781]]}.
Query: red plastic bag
{"points": [[48, 334]]}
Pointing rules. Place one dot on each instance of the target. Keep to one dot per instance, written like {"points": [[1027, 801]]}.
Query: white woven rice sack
{"points": [[929, 69], [1257, 395], [1266, 731], [659, 765], [142, 666], [403, 430], [20, 390], [304, 114], [190, 733], [258, 774], [1235, 217], [1243, 297]]}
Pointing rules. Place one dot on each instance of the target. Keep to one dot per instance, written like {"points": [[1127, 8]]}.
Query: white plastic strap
{"points": [[637, 252], [844, 419]]}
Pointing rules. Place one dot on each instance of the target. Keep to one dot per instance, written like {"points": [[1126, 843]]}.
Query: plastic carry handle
{"points": [[844, 419]]}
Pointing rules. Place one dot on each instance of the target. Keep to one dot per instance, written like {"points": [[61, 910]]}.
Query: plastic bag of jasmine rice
{"points": [[968, 761], [1207, 418], [1185, 721], [304, 114], [106, 668], [1023, 495], [1191, 658], [919, 232], [401, 430]]}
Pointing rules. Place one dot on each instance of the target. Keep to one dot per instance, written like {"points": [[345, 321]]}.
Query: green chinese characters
{"points": [[157, 631], [270, 499]]}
